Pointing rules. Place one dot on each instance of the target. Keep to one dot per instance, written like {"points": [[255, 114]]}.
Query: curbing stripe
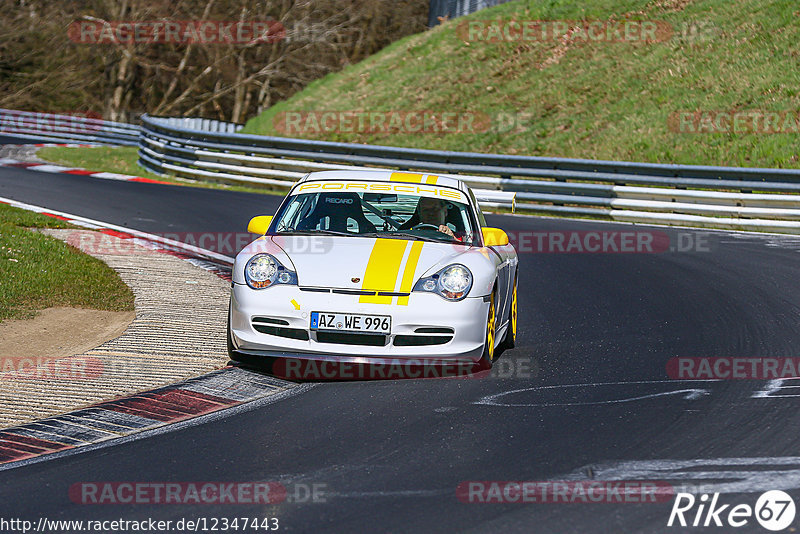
{"points": [[30, 430], [120, 418], [203, 397], [51, 168], [54, 216], [96, 425], [193, 403], [19, 447], [11, 455], [70, 430], [159, 403], [59, 169], [30, 440], [125, 421], [232, 394], [141, 408]]}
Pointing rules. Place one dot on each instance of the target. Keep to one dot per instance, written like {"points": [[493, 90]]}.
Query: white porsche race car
{"points": [[375, 266]]}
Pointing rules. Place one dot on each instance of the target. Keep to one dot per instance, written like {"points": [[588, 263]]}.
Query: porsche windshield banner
{"points": [[421, 190]]}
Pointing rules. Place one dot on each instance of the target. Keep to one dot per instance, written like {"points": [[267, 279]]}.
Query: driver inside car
{"points": [[433, 212]]}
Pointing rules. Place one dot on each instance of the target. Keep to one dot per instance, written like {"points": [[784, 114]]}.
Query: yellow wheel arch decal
{"points": [[490, 328], [514, 312]]}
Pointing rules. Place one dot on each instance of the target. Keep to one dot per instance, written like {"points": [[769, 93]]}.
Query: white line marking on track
{"points": [[774, 386], [688, 394], [756, 476]]}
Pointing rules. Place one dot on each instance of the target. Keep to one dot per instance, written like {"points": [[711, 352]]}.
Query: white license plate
{"points": [[352, 322]]}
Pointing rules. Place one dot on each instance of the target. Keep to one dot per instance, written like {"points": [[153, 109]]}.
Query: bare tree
{"points": [[42, 68]]}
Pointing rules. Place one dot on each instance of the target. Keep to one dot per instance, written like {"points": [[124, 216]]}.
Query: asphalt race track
{"points": [[585, 395]]}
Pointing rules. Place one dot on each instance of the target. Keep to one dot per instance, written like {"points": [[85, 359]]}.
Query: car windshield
{"points": [[370, 214]]}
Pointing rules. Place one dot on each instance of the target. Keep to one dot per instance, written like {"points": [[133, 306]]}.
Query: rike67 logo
{"points": [[774, 510]]}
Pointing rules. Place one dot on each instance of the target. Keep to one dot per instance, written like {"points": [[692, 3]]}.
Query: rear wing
{"points": [[491, 198]]}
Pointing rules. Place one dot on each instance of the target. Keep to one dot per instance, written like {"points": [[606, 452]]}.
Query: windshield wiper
{"points": [[415, 236], [320, 232]]}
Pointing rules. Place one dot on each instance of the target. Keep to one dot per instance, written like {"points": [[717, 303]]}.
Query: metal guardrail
{"points": [[450, 9], [714, 197], [66, 128]]}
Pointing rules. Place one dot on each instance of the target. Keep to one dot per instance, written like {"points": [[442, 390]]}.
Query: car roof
{"points": [[381, 175]]}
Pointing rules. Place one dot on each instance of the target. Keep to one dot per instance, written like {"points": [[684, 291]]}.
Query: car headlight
{"points": [[263, 270], [452, 283]]}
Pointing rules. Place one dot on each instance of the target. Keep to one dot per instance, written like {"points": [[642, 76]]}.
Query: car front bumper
{"points": [[289, 311]]}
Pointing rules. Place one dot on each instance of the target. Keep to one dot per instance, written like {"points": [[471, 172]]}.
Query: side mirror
{"points": [[494, 237], [259, 225]]}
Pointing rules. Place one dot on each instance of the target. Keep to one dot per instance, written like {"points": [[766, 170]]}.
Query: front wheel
{"points": [[487, 359], [231, 349]]}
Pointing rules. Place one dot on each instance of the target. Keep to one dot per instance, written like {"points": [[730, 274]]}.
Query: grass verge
{"points": [[38, 271], [578, 98]]}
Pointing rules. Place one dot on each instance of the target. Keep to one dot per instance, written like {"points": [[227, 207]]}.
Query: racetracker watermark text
{"points": [[210, 493], [564, 492], [176, 32], [736, 368], [43, 368], [589, 31], [524, 241], [734, 122], [398, 369], [228, 243], [608, 242], [399, 121], [245, 523], [61, 121]]}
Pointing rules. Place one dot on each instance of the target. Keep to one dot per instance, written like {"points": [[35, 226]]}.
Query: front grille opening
{"points": [[402, 340], [348, 338], [270, 320], [434, 330], [291, 333]]}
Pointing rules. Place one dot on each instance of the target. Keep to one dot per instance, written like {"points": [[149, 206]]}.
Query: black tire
{"points": [[232, 354], [487, 359], [510, 339]]}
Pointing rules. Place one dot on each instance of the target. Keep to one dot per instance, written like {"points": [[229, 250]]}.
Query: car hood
{"points": [[364, 263]]}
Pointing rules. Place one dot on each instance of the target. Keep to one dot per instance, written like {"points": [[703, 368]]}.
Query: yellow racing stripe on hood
{"points": [[408, 272], [383, 269]]}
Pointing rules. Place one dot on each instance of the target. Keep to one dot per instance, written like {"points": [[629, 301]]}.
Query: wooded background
{"points": [[42, 69]]}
